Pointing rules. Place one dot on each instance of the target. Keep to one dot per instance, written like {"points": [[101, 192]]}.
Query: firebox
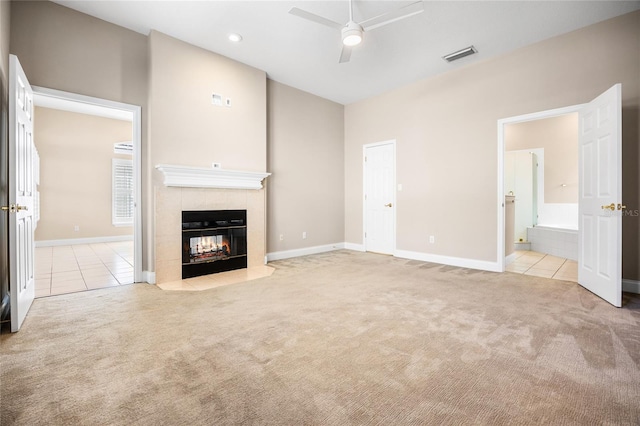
{"points": [[213, 241]]}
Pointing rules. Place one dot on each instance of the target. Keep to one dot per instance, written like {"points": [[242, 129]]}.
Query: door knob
{"points": [[388, 205], [611, 207], [12, 208], [621, 207]]}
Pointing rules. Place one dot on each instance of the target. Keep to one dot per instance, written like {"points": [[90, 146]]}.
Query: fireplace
{"points": [[213, 241]]}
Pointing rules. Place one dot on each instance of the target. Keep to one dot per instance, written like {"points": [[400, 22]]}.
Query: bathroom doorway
{"points": [[541, 170], [599, 234], [540, 159]]}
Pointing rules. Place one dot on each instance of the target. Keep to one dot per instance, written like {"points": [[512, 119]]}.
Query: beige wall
{"points": [[306, 157], [76, 152], [446, 132], [67, 50], [62, 49], [185, 127], [558, 136]]}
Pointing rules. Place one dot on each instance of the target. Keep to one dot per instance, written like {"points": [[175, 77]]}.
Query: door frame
{"points": [[364, 190], [501, 149], [136, 124]]}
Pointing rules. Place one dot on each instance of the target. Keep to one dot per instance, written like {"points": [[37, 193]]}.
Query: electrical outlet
{"points": [[281, 237], [76, 228], [304, 235], [432, 239], [227, 102], [216, 165]]}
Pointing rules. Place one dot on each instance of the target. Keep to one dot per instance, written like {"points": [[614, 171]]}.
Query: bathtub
{"points": [[560, 241]]}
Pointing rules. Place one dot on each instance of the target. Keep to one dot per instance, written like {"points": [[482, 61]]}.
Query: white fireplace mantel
{"points": [[201, 177]]}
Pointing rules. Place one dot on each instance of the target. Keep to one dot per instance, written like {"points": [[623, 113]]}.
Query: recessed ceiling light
{"points": [[234, 37]]}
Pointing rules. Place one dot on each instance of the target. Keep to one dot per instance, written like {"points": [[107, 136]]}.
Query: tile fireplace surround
{"points": [[170, 201]]}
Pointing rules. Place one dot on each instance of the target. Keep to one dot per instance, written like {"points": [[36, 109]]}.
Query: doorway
{"points": [[502, 148], [379, 208], [88, 233], [599, 262]]}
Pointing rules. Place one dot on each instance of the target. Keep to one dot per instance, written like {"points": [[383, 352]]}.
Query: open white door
{"points": [[379, 204], [21, 194], [600, 196]]}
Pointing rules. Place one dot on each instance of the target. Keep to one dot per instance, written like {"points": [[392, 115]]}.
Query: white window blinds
{"points": [[122, 203]]}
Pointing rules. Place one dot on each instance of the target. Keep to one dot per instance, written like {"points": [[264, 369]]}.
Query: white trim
{"points": [[92, 240], [631, 286], [501, 123], [482, 265], [148, 277], [136, 124], [354, 247], [509, 259], [287, 254], [64, 104], [199, 177], [364, 189]]}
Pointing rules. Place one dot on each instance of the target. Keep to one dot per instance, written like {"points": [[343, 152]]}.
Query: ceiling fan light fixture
{"points": [[352, 34]]}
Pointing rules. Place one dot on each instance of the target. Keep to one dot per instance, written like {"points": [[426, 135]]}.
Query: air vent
{"points": [[460, 54]]}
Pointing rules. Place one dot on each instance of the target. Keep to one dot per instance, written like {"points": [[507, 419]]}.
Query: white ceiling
{"points": [[305, 55]]}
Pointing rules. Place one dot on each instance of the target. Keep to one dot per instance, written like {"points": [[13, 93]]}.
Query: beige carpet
{"points": [[334, 339]]}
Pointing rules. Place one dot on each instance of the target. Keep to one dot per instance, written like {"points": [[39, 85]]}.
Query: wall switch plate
{"points": [[227, 102], [216, 99], [399, 187], [304, 235], [432, 239]]}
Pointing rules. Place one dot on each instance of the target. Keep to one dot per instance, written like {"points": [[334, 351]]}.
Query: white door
{"points": [[21, 194], [379, 204], [600, 197]]}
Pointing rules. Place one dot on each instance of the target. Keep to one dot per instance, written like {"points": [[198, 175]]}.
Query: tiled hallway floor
{"points": [[69, 269], [544, 265]]}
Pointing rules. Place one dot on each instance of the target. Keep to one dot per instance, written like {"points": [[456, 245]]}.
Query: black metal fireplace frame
{"points": [[203, 223]]}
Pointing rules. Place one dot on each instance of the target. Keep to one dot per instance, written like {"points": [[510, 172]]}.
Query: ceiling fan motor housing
{"points": [[352, 34]]}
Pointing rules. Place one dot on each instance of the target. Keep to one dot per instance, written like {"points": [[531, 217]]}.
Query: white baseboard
{"points": [[510, 258], [631, 286], [447, 260], [287, 254], [149, 277], [353, 246], [92, 240]]}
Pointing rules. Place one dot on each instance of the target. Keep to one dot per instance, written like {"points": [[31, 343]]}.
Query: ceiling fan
{"points": [[352, 31]]}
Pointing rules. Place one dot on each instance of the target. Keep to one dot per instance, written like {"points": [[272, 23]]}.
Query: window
{"points": [[123, 201]]}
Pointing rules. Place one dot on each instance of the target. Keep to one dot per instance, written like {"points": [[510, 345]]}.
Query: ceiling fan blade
{"points": [[393, 16], [315, 18], [345, 55]]}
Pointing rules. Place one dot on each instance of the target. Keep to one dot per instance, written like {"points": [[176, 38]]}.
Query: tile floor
{"points": [[69, 269], [544, 265]]}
